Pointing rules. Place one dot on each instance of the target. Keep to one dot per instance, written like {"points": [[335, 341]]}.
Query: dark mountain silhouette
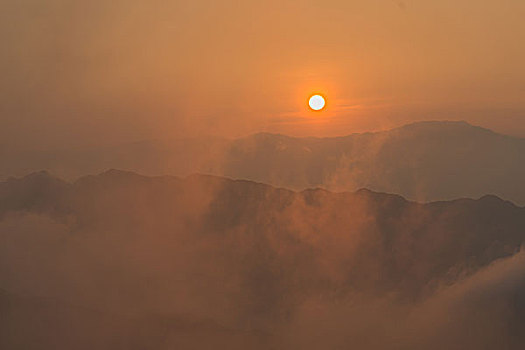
{"points": [[425, 161], [254, 260], [464, 232]]}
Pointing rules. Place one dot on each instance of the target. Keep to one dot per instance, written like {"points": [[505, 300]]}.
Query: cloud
{"points": [[211, 257]]}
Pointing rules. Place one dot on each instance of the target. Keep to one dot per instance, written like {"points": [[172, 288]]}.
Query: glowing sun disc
{"points": [[317, 102]]}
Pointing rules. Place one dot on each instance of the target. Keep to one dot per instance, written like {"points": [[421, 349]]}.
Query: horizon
{"points": [[339, 164], [435, 122]]}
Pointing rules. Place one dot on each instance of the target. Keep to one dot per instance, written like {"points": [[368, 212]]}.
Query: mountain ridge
{"points": [[46, 177], [247, 256], [422, 161], [424, 124]]}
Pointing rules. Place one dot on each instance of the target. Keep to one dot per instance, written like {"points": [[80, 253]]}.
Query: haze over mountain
{"points": [[424, 161], [123, 261], [292, 175]]}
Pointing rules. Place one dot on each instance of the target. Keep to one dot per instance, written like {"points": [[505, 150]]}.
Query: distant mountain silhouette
{"points": [[425, 161], [252, 259]]}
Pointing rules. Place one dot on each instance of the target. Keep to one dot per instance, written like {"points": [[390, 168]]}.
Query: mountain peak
{"points": [[111, 176], [37, 177], [491, 198], [418, 126], [442, 126], [118, 173]]}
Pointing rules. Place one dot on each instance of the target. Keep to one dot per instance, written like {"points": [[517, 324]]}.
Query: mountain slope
{"points": [[351, 227], [425, 161], [264, 265]]}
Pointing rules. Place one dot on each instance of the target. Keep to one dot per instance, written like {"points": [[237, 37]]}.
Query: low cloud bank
{"points": [[120, 261]]}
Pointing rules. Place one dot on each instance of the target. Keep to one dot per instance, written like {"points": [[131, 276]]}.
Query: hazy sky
{"points": [[98, 71]]}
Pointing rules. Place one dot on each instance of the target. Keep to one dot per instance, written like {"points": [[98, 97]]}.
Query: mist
{"points": [[200, 261]]}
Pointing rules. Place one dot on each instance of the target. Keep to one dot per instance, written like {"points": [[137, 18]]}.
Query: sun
{"points": [[317, 102]]}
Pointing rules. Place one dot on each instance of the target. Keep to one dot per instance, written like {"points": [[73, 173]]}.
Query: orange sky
{"points": [[81, 72]]}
